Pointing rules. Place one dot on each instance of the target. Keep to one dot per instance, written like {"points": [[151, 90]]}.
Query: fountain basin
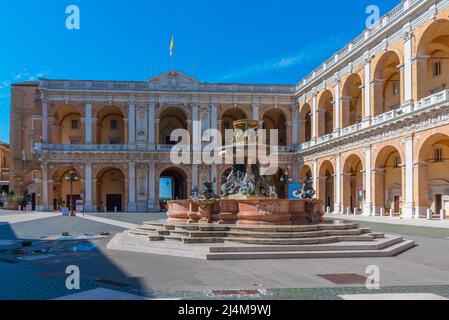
{"points": [[247, 211]]}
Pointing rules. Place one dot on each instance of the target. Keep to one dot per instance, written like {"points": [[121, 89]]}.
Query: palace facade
{"points": [[370, 126]]}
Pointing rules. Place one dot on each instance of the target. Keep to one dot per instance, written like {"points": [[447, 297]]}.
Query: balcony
{"points": [[426, 104], [392, 17]]}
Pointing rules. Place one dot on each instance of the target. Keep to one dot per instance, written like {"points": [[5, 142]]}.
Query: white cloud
{"points": [[309, 54], [21, 76]]}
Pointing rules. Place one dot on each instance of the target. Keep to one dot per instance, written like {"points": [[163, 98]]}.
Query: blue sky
{"points": [[235, 41]]}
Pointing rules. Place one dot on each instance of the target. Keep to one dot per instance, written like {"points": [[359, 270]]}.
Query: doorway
{"points": [[113, 201], [438, 203], [69, 203]]}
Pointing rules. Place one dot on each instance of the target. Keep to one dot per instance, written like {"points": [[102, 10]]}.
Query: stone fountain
{"points": [[246, 197]]}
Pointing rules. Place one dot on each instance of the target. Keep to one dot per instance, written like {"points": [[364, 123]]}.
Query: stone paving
{"points": [[421, 270]]}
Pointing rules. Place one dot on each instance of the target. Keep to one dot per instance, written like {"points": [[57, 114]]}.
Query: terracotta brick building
{"points": [[370, 126]]}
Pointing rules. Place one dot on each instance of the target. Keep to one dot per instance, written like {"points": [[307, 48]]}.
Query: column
{"points": [[132, 124], [407, 208], [194, 176], [314, 117], [214, 175], [151, 124], [88, 207], [337, 120], [338, 204], [256, 110], [368, 199], [408, 76], [367, 90], [315, 175], [44, 187], [214, 123], [132, 187], [152, 187], [44, 119], [88, 123], [295, 111], [196, 135]]}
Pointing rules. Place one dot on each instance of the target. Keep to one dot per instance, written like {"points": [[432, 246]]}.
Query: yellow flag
{"points": [[172, 45]]}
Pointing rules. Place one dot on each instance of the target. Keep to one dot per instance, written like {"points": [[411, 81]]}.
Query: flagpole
{"points": [[194, 53]]}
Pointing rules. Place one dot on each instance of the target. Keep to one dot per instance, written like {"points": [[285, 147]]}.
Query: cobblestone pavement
{"points": [[421, 270]]}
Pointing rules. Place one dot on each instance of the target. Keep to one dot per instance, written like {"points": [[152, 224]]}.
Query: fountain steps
{"points": [[259, 228], [300, 248], [244, 234], [249, 239], [241, 242], [390, 251]]}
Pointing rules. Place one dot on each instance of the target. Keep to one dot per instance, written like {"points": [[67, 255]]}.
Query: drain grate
{"points": [[113, 283], [235, 292], [345, 278]]}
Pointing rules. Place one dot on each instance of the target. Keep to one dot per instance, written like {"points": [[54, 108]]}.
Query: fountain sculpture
{"points": [[246, 197]]}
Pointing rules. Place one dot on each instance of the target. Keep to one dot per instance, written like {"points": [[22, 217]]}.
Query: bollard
{"points": [[348, 211], [382, 212], [355, 211], [392, 213], [328, 210], [429, 214], [115, 209], [443, 214]]}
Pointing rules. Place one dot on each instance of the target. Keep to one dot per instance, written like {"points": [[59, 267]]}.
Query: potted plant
{"points": [[14, 202]]}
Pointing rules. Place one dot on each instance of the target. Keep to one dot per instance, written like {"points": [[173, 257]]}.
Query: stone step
{"points": [[285, 235], [292, 248], [391, 251], [202, 240], [208, 234], [302, 241]]}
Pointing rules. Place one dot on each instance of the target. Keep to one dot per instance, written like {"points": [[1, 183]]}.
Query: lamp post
{"points": [[71, 176]]}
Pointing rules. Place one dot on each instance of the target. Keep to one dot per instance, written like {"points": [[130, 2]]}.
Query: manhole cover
{"points": [[348, 278], [113, 283], [235, 292]]}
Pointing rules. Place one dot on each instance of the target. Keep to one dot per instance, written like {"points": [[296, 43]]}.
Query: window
{"points": [[114, 125], [397, 162], [114, 141], [395, 88], [437, 68], [74, 124], [74, 141], [114, 176], [439, 156]]}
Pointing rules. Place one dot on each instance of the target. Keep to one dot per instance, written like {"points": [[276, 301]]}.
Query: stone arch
{"points": [[305, 172], [305, 125], [325, 114], [171, 118], [353, 183], [110, 191], [432, 63], [68, 127], [175, 178], [388, 90], [352, 101], [388, 180], [60, 189], [110, 126], [433, 167], [326, 184], [273, 119]]}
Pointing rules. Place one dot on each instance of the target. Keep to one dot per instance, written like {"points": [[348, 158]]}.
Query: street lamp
{"points": [[71, 176]]}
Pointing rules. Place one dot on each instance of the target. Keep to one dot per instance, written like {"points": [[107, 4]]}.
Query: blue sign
{"points": [[294, 190]]}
